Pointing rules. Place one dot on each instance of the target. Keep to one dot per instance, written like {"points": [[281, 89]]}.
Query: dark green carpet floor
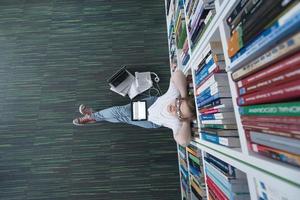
{"points": [[57, 54]]}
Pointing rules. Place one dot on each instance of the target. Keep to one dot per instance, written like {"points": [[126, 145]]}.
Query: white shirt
{"points": [[159, 114]]}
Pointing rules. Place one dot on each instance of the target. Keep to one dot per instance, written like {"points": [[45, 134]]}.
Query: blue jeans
{"points": [[122, 114]]}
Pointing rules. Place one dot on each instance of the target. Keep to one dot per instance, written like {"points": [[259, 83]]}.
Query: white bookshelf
{"points": [[283, 178]]}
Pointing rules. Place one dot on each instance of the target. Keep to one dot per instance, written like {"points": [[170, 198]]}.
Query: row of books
{"points": [[195, 165], [224, 182], [199, 14], [183, 170], [180, 27], [243, 20], [214, 102], [268, 88], [266, 26], [185, 55]]}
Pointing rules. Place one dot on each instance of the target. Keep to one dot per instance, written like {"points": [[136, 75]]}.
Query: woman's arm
{"points": [[180, 82], [183, 137]]}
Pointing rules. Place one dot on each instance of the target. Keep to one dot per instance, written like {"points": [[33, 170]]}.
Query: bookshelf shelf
{"points": [[260, 170]]}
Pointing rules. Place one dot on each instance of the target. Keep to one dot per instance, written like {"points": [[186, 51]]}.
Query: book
{"points": [[214, 94], [218, 102], [281, 23], [287, 91], [228, 185], [273, 132], [223, 166], [203, 102], [214, 110], [211, 195], [287, 25], [288, 128], [276, 154], [274, 109], [287, 47], [278, 67], [216, 79], [220, 132], [215, 189], [225, 141], [219, 126], [279, 78], [274, 141], [240, 9], [224, 115], [219, 121], [272, 119], [266, 13]]}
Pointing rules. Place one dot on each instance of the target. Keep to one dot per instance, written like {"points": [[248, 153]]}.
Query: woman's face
{"points": [[179, 108]]}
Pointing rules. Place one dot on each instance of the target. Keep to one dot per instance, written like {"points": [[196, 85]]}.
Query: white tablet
{"points": [[139, 110]]}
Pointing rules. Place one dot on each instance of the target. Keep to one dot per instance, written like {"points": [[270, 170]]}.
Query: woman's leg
{"points": [[122, 114]]}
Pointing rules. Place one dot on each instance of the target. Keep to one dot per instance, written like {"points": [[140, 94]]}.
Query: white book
{"points": [[215, 78], [219, 121]]}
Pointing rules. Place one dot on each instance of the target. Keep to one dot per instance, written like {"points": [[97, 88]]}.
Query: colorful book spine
{"points": [[223, 115], [220, 126], [273, 132], [219, 121], [277, 68], [283, 143], [218, 93], [285, 48], [225, 141], [288, 128], [284, 27], [215, 189], [203, 102], [276, 154], [279, 93], [214, 79], [280, 78], [272, 119], [277, 109]]}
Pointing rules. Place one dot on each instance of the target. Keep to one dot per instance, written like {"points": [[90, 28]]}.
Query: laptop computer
{"points": [[121, 81]]}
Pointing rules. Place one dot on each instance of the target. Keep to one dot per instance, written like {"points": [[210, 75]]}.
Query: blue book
{"points": [[201, 102], [184, 173], [206, 66], [194, 171], [266, 40], [186, 59], [228, 186], [225, 141], [208, 117], [228, 169]]}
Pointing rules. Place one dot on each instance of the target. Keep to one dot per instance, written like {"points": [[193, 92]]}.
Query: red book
{"points": [[290, 74], [278, 93], [285, 128], [292, 61], [272, 119], [211, 195], [276, 154], [216, 190]]}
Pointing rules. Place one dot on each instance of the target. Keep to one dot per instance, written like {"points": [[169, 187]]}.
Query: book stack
{"points": [[196, 173], [185, 56], [199, 14], [249, 36], [224, 182], [184, 174], [268, 89], [214, 101], [180, 27]]}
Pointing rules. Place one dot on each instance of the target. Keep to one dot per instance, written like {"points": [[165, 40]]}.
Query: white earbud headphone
{"points": [[156, 79]]}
